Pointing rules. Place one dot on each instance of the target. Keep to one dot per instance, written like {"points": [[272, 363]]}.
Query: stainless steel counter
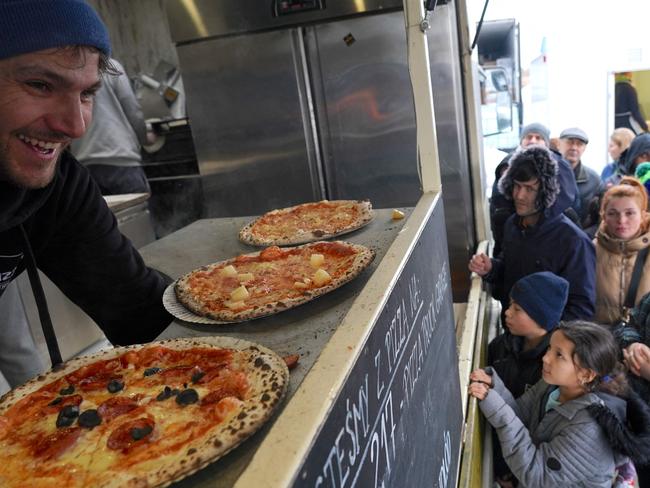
{"points": [[304, 330]]}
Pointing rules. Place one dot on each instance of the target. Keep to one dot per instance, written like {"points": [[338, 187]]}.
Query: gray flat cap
{"points": [[575, 133]]}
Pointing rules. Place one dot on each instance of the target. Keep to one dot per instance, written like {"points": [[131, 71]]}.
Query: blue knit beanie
{"points": [[543, 296], [33, 25]]}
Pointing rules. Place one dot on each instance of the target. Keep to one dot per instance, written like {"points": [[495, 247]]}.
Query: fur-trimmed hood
{"points": [[626, 424], [546, 168]]}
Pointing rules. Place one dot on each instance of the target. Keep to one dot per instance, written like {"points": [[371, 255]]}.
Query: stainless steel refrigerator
{"points": [[299, 100]]}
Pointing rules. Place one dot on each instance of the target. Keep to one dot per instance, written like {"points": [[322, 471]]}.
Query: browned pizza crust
{"points": [[268, 378], [362, 259], [247, 235]]}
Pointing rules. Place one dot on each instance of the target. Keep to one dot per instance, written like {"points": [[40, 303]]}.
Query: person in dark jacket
{"points": [[634, 341], [52, 216], [626, 105], [539, 237], [637, 153], [573, 143], [536, 304], [578, 426], [501, 207]]}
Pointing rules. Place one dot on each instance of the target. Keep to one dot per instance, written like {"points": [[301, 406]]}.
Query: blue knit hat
{"points": [[33, 25], [543, 296]]}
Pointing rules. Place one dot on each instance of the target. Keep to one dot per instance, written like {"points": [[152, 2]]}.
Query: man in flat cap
{"points": [[573, 143], [53, 56]]}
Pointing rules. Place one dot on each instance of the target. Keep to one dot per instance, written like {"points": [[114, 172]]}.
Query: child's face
{"points": [[558, 366], [519, 322]]}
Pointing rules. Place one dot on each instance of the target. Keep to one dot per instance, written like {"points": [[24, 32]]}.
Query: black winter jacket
{"points": [[553, 244], [518, 369], [77, 244]]}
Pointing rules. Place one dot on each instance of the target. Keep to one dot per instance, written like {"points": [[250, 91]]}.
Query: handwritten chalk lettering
{"points": [[443, 474], [349, 440], [397, 334], [382, 444], [414, 295], [428, 326], [418, 354], [441, 287], [380, 387]]}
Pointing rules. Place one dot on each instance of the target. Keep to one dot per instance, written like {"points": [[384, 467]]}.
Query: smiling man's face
{"points": [[46, 101]]}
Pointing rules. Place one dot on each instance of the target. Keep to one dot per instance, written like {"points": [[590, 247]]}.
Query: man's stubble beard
{"points": [[7, 176]]}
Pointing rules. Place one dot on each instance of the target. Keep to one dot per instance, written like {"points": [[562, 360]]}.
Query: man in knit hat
{"points": [[501, 207], [53, 55], [539, 237]]}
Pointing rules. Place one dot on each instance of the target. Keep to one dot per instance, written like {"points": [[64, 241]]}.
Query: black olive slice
{"points": [[140, 433], [114, 386], [56, 401], [89, 419], [165, 394], [69, 390], [67, 416], [151, 371], [197, 376], [187, 397]]}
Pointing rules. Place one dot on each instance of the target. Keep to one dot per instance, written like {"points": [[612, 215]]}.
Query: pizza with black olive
{"points": [[137, 416]]}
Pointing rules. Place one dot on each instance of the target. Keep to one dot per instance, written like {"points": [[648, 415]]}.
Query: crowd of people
{"points": [[567, 384]]}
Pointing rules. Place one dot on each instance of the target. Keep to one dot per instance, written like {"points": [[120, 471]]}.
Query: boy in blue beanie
{"points": [[536, 305], [53, 54]]}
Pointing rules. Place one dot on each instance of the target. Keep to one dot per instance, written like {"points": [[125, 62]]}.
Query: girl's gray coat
{"points": [[564, 447]]}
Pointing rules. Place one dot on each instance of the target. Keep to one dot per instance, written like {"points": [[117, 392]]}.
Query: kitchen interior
{"points": [[261, 107]]}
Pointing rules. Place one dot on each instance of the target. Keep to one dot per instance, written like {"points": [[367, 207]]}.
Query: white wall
{"points": [[585, 41]]}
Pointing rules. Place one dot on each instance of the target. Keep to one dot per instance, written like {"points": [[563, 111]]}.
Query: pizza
{"points": [[307, 222], [139, 415], [272, 280]]}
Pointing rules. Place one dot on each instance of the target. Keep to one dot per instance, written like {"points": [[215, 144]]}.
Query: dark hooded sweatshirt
{"points": [[554, 244], [518, 369], [640, 144], [76, 243]]}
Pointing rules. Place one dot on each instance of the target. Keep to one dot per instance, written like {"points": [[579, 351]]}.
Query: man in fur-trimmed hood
{"points": [[501, 207], [539, 237]]}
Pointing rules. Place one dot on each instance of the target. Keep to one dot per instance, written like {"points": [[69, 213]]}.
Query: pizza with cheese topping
{"points": [[270, 281], [307, 222], [139, 415]]}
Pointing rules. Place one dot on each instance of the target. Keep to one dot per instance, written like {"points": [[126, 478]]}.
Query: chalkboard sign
{"points": [[397, 421]]}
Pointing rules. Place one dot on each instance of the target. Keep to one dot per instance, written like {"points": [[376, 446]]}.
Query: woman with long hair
{"points": [[623, 233]]}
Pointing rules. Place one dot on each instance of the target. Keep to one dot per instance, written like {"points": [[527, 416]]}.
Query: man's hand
{"points": [[480, 264], [637, 357]]}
